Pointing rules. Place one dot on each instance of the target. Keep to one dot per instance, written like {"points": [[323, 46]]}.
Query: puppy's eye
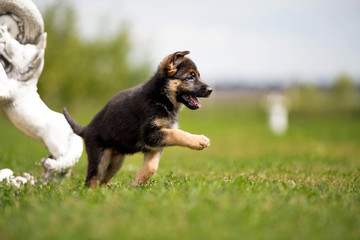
{"points": [[191, 76]]}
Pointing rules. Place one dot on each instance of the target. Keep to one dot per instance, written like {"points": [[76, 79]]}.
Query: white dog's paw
{"points": [[49, 163], [49, 174]]}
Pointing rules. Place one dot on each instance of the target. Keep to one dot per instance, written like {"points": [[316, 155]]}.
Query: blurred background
{"points": [[308, 51], [283, 120], [279, 68], [283, 71]]}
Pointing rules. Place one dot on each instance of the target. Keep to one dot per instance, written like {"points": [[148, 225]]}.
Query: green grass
{"points": [[248, 184]]}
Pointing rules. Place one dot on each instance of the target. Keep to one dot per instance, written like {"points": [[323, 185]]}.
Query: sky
{"points": [[252, 40]]}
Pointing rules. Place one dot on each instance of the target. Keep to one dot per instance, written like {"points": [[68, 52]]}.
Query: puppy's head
{"points": [[184, 85]]}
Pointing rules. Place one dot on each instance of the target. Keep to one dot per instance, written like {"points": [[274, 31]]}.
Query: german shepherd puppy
{"points": [[143, 119]]}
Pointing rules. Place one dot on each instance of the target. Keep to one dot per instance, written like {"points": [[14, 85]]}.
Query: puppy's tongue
{"points": [[195, 101]]}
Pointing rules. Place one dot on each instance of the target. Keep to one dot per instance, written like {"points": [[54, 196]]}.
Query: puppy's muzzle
{"points": [[204, 91]]}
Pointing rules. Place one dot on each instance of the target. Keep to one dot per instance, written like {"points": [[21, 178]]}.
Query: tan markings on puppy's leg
{"points": [[116, 163], [150, 165], [181, 138], [104, 163], [172, 88], [93, 182]]}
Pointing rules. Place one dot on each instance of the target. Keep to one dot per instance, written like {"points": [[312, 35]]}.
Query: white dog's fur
{"points": [[24, 107], [277, 105]]}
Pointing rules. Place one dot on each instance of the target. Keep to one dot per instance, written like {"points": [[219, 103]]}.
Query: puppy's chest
{"points": [[166, 122]]}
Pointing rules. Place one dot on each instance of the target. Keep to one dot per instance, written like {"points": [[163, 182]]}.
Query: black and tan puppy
{"points": [[143, 119]]}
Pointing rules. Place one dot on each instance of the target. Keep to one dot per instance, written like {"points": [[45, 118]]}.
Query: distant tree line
{"points": [[77, 70], [342, 96]]}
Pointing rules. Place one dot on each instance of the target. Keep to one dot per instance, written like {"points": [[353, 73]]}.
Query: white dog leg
{"points": [[4, 89], [69, 159]]}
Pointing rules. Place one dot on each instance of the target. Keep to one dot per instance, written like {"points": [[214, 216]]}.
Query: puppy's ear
{"points": [[175, 61]]}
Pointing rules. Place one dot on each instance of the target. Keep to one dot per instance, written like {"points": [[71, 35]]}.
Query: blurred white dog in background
{"points": [[277, 105], [21, 63]]}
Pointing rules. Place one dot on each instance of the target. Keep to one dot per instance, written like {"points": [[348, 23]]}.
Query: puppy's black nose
{"points": [[208, 90]]}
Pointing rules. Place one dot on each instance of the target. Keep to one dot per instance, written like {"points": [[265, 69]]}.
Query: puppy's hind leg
{"points": [[150, 165], [95, 155], [116, 163]]}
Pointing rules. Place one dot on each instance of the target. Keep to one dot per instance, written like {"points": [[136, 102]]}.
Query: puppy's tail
{"points": [[76, 127]]}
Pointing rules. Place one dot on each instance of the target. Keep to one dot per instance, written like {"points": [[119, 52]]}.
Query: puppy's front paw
{"points": [[200, 142]]}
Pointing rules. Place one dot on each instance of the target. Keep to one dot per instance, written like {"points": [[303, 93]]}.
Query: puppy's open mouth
{"points": [[191, 101]]}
